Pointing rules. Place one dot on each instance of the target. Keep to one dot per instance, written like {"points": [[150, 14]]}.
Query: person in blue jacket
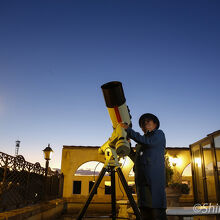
{"points": [[149, 167]]}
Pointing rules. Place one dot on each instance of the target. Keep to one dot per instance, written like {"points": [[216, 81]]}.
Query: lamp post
{"points": [[47, 153], [17, 147]]}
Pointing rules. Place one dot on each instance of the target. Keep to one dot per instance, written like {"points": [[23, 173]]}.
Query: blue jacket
{"points": [[149, 168]]}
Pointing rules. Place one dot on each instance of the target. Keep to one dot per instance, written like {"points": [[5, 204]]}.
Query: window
{"points": [[131, 186], [76, 187], [187, 171], [91, 168], [107, 187]]}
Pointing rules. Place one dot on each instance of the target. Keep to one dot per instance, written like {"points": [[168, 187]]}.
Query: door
{"points": [[210, 186], [198, 174], [217, 170]]}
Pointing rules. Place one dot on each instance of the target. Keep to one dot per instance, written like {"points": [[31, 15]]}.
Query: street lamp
{"points": [[47, 153]]}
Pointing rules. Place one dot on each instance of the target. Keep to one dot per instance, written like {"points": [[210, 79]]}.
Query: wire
{"points": [[94, 174], [95, 170]]}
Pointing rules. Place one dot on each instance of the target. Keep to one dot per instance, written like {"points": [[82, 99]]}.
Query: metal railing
{"points": [[23, 183]]}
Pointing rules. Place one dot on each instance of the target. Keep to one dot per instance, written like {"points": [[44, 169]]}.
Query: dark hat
{"points": [[149, 116]]}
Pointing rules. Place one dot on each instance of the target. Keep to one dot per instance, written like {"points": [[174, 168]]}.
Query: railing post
{"points": [[4, 175], [27, 186], [61, 179], [2, 187]]}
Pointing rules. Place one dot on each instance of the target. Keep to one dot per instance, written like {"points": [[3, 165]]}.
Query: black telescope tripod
{"points": [[111, 170]]}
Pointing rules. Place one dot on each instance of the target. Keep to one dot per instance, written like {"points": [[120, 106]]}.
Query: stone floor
{"points": [[70, 217]]}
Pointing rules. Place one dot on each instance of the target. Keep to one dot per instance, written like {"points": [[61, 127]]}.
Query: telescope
{"points": [[115, 147], [118, 112]]}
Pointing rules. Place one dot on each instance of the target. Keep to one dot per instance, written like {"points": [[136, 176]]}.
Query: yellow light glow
{"points": [[108, 183], [131, 183], [48, 155], [131, 173], [198, 161], [175, 161]]}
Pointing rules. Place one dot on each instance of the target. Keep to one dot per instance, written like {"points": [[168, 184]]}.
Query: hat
{"points": [[149, 116]]}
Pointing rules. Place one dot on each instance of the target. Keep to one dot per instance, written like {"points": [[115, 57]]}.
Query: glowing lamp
{"points": [[47, 152], [198, 161]]}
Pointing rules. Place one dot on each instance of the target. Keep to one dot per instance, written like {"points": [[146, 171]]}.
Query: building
{"points": [[81, 165]]}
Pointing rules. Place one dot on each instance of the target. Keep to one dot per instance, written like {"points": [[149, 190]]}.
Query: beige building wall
{"points": [[74, 156]]}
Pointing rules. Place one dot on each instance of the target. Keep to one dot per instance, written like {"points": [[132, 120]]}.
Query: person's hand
{"points": [[124, 125]]}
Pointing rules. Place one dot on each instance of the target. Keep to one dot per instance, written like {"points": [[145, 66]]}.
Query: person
{"points": [[149, 167]]}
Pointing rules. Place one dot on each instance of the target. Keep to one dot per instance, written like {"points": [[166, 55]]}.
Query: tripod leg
{"points": [[93, 190], [128, 193], [113, 194]]}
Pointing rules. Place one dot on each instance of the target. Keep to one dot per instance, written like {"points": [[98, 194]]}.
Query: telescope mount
{"points": [[111, 166]]}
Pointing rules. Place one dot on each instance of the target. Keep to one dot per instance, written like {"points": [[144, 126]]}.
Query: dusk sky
{"points": [[55, 55]]}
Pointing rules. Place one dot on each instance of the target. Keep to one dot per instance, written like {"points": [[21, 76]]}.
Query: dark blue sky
{"points": [[55, 55]]}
